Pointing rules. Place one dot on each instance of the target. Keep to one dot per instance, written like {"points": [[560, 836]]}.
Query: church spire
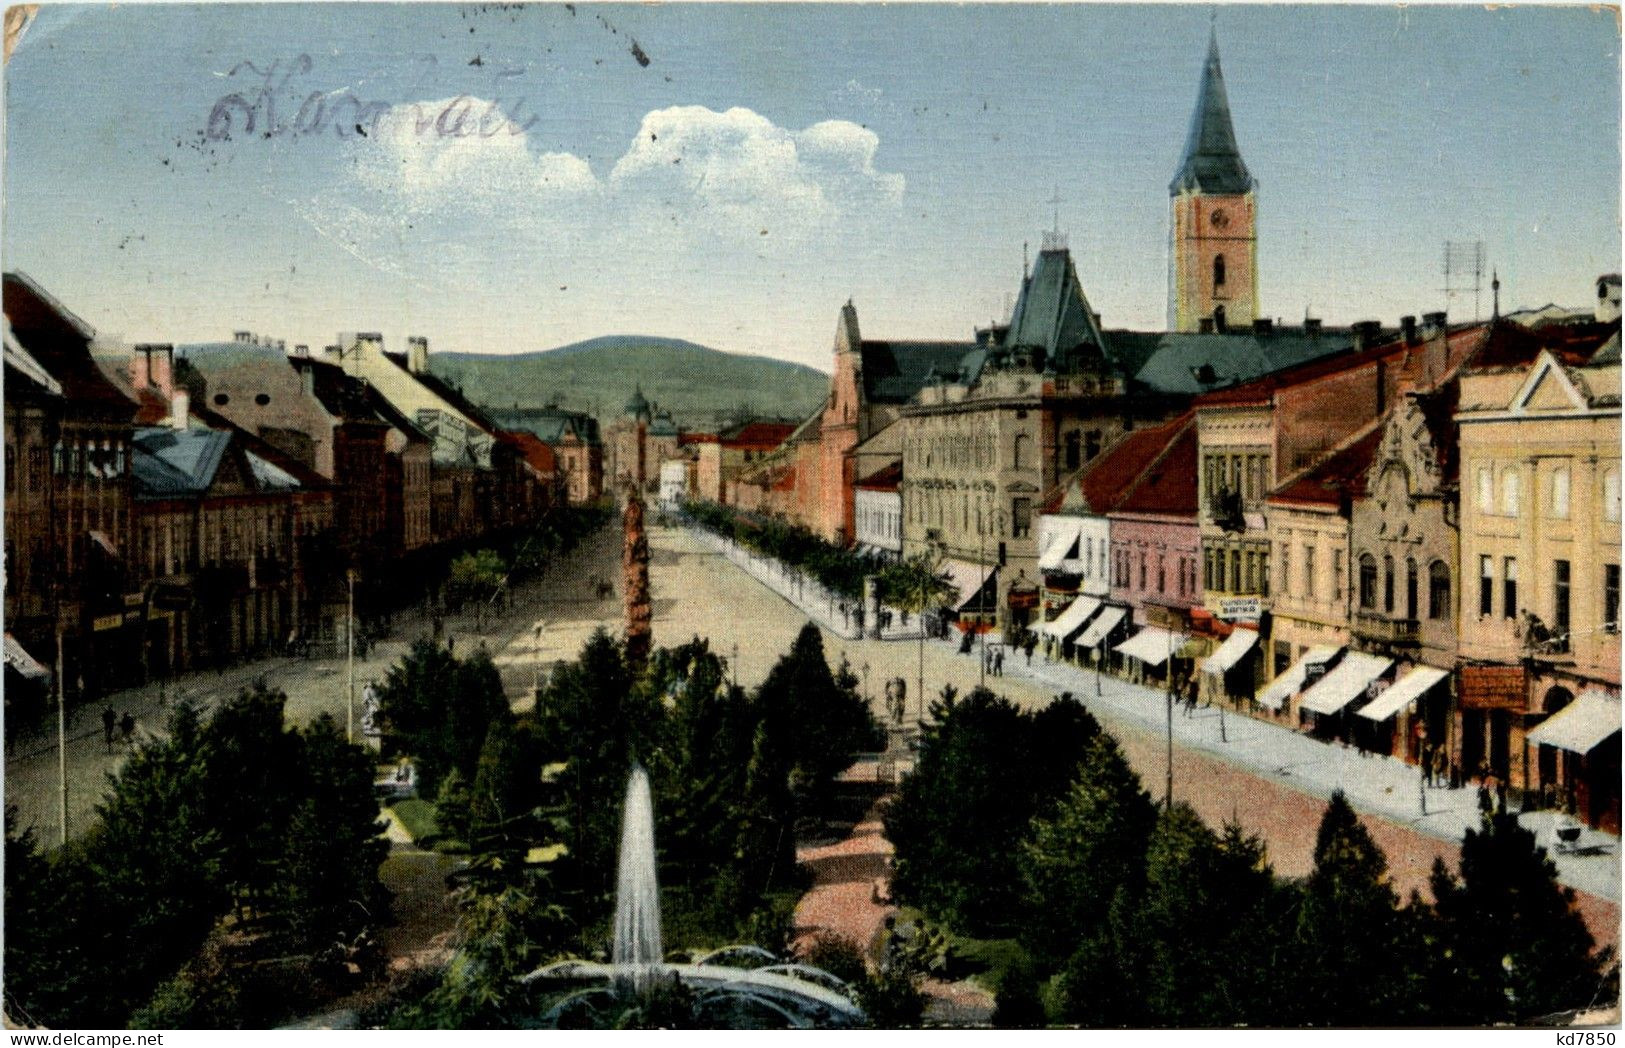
{"points": [[1212, 162]]}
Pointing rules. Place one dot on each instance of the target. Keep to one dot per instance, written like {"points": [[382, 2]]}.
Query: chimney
{"points": [[307, 380], [301, 350], [152, 367], [1407, 324], [417, 354], [244, 337], [1311, 326], [1263, 326], [1433, 324], [1365, 333], [180, 409]]}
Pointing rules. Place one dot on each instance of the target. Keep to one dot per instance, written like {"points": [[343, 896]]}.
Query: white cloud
{"points": [[690, 171]]}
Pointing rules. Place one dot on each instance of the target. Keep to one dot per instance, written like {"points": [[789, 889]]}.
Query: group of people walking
{"points": [[125, 726]]}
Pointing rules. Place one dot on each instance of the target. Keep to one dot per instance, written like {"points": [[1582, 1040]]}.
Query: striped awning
{"points": [[1345, 683], [1406, 690], [1234, 648], [1072, 619], [1061, 542], [1287, 684], [1152, 645], [1101, 625], [17, 658], [1581, 725]]}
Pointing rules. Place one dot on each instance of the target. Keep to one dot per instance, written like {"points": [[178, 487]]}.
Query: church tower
{"points": [[1213, 239]]}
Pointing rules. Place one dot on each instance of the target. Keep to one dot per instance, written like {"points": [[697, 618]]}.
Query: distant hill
{"points": [[697, 384]]}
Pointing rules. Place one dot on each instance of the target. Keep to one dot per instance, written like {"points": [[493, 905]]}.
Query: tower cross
{"points": [[1055, 202]]}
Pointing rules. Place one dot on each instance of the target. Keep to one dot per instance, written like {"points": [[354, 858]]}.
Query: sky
{"points": [[504, 179]]}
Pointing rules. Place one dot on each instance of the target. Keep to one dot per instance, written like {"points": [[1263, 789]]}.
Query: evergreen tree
{"points": [[1513, 945], [1075, 862], [438, 709], [1348, 928]]}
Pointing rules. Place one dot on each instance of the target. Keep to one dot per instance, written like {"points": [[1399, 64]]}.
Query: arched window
{"points": [[1509, 493], [1438, 590], [1368, 582], [1218, 272]]}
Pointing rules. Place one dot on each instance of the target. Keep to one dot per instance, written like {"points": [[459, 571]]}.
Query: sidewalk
{"points": [[807, 595], [1375, 785]]}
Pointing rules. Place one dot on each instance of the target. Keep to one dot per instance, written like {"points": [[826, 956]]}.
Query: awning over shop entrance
{"points": [[1580, 726], [1072, 619], [971, 581], [1061, 544], [1101, 625], [1234, 648], [1345, 683], [1287, 684], [17, 658], [1152, 645], [1406, 690]]}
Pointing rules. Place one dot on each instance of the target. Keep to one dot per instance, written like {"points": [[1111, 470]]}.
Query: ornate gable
{"points": [[1408, 448]]}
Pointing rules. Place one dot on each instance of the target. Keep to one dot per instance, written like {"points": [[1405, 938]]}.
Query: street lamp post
{"points": [[349, 656], [536, 666]]}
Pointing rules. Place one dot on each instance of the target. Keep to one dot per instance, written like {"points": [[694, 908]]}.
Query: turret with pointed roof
{"points": [[1213, 245], [1212, 161]]}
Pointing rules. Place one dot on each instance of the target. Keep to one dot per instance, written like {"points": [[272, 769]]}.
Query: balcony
{"points": [[1380, 629]]}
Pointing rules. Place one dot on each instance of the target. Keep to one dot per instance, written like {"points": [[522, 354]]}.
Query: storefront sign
{"points": [[107, 622], [1493, 688], [1240, 609], [132, 600], [1168, 618]]}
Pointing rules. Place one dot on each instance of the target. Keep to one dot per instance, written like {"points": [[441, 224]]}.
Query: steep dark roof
{"points": [[1052, 311], [1339, 476], [60, 343], [341, 395], [1512, 345], [1194, 362], [1439, 413], [391, 414], [893, 372], [1212, 161], [758, 434]]}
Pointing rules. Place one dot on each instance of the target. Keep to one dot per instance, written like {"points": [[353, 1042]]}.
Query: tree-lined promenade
{"points": [[727, 713]]}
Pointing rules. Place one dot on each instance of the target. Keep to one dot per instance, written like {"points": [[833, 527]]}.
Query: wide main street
{"points": [[1270, 780]]}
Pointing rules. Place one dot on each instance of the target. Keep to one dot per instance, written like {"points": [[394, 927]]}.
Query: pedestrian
{"points": [[1500, 795], [108, 718], [998, 661], [1427, 765], [127, 726], [1032, 642]]}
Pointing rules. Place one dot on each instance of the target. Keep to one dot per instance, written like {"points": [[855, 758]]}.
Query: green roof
{"points": [[1212, 161]]}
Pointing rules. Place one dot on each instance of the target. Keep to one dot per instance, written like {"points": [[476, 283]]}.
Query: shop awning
{"points": [[1345, 683], [1581, 725], [967, 580], [1287, 684], [1101, 625], [1406, 690], [1072, 619], [1235, 646], [1152, 645], [17, 658], [1061, 543]]}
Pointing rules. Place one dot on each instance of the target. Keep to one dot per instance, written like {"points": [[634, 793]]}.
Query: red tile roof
{"points": [[1339, 476], [886, 479], [1513, 345], [1168, 485], [1105, 481], [1261, 390], [539, 456], [760, 436]]}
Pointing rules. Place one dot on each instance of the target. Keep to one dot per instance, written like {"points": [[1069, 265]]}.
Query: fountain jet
{"points": [[637, 951]]}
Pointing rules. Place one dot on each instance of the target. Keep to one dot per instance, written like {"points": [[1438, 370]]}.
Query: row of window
{"points": [[1184, 572], [1439, 606], [1236, 570], [935, 509], [1561, 581], [881, 522], [1245, 474], [1555, 505], [1304, 584]]}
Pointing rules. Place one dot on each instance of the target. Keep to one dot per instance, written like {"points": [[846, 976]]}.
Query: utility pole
{"points": [[1168, 798], [349, 657], [61, 730]]}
